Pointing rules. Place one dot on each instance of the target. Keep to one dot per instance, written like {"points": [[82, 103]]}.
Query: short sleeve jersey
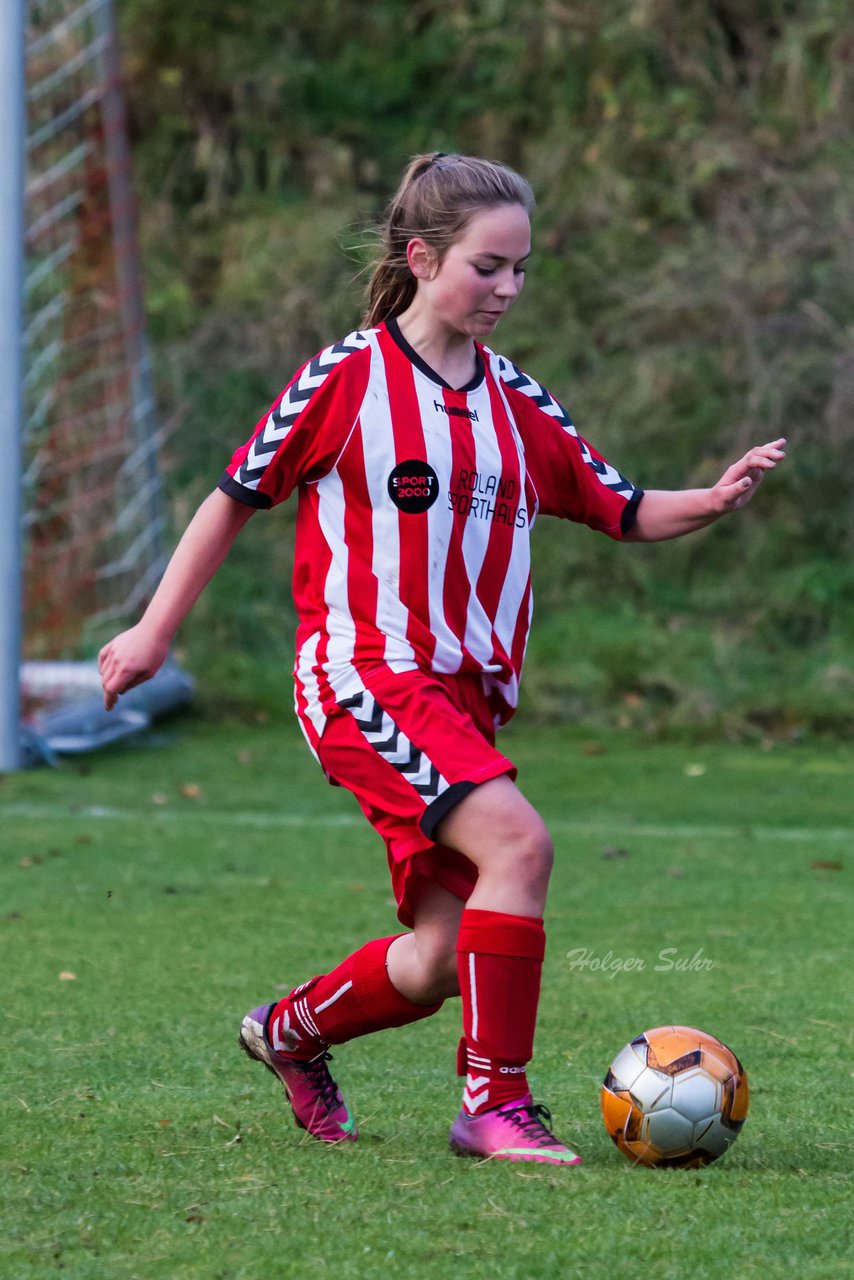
{"points": [[416, 503]]}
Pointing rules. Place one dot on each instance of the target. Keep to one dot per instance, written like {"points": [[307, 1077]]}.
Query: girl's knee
{"points": [[501, 833], [523, 852], [436, 966], [530, 866]]}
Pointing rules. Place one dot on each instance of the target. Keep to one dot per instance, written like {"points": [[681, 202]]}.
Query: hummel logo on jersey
{"points": [[454, 411], [413, 486]]}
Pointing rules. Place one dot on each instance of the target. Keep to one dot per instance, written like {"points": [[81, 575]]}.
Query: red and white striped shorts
{"points": [[409, 747]]}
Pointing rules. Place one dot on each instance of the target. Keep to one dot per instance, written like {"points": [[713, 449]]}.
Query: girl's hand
{"points": [[739, 482], [130, 658]]}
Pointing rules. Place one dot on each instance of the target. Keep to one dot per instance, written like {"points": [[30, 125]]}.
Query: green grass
{"points": [[183, 884]]}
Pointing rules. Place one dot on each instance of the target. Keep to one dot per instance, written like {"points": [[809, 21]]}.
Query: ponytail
{"points": [[438, 196]]}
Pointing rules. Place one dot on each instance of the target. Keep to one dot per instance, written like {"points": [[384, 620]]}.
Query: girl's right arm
{"points": [[135, 655]]}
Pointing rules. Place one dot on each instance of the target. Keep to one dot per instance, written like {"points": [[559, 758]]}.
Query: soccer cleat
{"points": [[314, 1096], [515, 1131]]}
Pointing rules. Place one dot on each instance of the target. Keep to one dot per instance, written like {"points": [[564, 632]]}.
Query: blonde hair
{"points": [[437, 198]]}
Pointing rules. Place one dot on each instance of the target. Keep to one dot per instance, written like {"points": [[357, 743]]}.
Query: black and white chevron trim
{"points": [[291, 406], [389, 741], [512, 376]]}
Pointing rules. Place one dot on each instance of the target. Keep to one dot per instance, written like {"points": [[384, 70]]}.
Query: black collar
{"points": [[411, 354]]}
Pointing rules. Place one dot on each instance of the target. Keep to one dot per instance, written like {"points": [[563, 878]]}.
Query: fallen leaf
{"points": [[191, 790], [826, 864], [67, 976]]}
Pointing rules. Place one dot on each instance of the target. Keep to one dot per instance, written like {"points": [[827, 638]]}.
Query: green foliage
{"points": [[691, 290]]}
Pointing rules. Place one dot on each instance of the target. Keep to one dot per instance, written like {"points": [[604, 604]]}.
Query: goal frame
{"points": [[12, 150], [67, 722]]}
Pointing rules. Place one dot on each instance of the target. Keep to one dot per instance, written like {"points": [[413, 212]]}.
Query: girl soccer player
{"points": [[421, 460]]}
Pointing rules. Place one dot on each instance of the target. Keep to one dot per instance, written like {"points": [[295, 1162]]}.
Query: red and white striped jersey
{"points": [[416, 503]]}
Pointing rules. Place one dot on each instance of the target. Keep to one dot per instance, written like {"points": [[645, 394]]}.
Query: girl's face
{"points": [[481, 274]]}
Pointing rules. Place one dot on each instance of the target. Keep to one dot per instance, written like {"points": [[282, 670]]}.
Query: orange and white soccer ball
{"points": [[674, 1097]]}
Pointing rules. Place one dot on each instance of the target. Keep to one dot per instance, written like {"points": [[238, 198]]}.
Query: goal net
{"points": [[92, 512]]}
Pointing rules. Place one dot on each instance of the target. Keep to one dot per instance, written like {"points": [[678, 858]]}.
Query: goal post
{"points": [[12, 133], [81, 512]]}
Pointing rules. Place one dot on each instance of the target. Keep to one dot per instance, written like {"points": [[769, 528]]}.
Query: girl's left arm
{"points": [[664, 513]]}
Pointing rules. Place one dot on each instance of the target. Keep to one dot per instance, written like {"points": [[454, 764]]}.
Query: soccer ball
{"points": [[674, 1098]]}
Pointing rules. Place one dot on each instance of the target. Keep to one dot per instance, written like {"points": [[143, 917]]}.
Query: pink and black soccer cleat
{"points": [[515, 1131], [314, 1096]]}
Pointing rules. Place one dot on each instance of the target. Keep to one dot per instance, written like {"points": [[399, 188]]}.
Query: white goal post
{"points": [[12, 114]]}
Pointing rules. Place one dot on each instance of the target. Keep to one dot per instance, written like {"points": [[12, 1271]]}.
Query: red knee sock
{"points": [[356, 998], [499, 961]]}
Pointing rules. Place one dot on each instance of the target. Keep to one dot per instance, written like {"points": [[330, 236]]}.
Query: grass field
{"points": [[152, 896]]}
